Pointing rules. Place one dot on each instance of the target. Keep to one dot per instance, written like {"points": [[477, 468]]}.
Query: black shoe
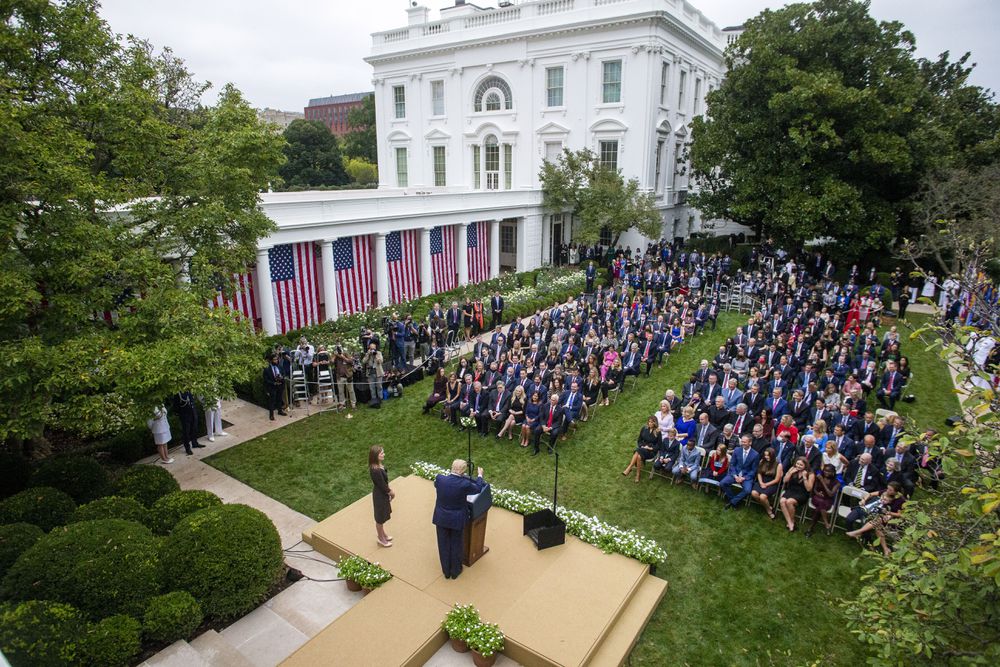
{"points": [[188, 452], [283, 413], [271, 416], [198, 445]]}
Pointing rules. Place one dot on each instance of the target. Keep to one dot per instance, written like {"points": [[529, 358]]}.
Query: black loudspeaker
{"points": [[293, 574], [954, 420]]}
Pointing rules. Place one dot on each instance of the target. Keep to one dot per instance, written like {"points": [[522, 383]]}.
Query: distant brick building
{"points": [[332, 111]]}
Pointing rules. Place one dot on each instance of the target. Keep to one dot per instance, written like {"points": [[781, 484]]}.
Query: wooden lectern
{"points": [[474, 536]]}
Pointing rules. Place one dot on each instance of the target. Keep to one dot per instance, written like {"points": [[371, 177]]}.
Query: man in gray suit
{"points": [[688, 463]]}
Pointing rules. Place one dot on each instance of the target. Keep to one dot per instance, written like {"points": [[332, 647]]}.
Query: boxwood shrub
{"points": [[171, 617], [15, 539], [83, 478], [104, 567], [15, 471], [42, 506], [173, 507], [111, 642], [227, 557], [41, 633], [147, 484], [112, 507]]}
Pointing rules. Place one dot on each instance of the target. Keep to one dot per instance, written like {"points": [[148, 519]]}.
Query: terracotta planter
{"points": [[366, 591], [480, 661], [459, 645], [352, 585]]}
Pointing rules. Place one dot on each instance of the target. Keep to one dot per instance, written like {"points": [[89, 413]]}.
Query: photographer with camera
{"points": [[274, 385], [304, 357], [372, 363], [344, 373], [410, 335]]}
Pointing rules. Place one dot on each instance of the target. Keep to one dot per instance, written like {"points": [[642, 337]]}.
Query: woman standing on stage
{"points": [[382, 494]]}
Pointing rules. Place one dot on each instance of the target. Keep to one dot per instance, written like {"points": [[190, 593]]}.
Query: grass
{"points": [[743, 591]]}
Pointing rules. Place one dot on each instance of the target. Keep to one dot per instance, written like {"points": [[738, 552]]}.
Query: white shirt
{"points": [[665, 421]]}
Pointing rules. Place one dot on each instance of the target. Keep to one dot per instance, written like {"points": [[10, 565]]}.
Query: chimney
{"points": [[417, 13]]}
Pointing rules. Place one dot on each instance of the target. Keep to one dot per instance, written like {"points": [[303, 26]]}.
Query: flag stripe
{"points": [[353, 265], [478, 251], [402, 259], [443, 258], [294, 285], [244, 300]]}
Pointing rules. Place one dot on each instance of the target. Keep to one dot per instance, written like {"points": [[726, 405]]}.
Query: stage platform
{"points": [[568, 605]]}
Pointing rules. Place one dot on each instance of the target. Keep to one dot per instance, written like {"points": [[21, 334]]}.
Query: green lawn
{"points": [[742, 590], [931, 381]]}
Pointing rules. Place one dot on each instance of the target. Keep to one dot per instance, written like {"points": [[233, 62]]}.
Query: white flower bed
{"points": [[590, 529]]}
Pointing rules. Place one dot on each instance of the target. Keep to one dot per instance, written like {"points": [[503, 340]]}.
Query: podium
{"points": [[474, 535]]}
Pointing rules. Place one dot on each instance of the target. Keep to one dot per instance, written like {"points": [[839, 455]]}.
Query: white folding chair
{"points": [[844, 509], [324, 385]]}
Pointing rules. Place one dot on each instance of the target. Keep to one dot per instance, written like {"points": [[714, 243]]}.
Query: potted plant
{"points": [[372, 576], [486, 641], [350, 569], [458, 622]]}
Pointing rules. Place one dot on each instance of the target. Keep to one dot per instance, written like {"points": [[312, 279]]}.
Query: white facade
{"points": [[469, 105]]}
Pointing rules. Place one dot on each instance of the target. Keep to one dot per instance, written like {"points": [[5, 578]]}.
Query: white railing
{"points": [[436, 28], [493, 18], [396, 35], [553, 7]]}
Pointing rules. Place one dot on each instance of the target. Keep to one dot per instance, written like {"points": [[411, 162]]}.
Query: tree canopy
{"points": [[361, 141], [313, 156], [599, 197], [124, 205], [826, 124]]}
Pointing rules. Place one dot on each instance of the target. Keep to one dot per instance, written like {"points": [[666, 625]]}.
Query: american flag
{"points": [[443, 258], [352, 260], [402, 250], [478, 251], [294, 285], [244, 300]]}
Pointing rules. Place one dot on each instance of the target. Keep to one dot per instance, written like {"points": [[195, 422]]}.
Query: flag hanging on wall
{"points": [[294, 285], [443, 258], [402, 250], [244, 299], [478, 250], [352, 260]]}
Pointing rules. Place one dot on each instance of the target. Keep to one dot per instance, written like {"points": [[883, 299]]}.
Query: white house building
{"points": [[467, 108]]}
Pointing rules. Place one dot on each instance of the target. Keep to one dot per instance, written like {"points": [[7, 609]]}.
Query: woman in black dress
{"points": [[467, 318], [646, 447], [799, 482], [382, 494]]}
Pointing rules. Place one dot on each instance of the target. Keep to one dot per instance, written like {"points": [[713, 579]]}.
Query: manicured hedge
{"points": [[227, 557], [41, 634], [111, 642], [112, 507], [147, 484], [15, 539], [173, 507], [104, 567], [171, 617], [42, 506], [15, 473], [83, 478]]}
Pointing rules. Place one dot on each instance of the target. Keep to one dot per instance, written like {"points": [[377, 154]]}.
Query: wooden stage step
{"points": [[619, 642]]}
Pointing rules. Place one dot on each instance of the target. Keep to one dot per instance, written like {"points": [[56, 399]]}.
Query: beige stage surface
{"points": [[568, 605]]}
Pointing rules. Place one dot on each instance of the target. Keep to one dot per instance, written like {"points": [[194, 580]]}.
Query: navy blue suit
{"points": [[450, 516], [746, 467]]}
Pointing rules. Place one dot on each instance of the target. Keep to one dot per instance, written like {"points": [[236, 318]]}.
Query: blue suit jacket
{"points": [[451, 509], [744, 466]]}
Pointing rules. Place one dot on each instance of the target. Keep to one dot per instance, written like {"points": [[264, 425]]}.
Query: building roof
{"points": [[339, 99]]}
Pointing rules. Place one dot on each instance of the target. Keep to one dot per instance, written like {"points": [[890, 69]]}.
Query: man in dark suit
{"points": [[274, 384], [777, 405], [741, 420], [499, 404], [889, 436], [905, 465], [807, 448], [571, 402], [862, 473], [453, 318], [845, 445], [784, 450], [890, 387], [476, 406], [846, 420], [590, 274], [755, 400], [451, 514], [705, 435], [550, 420], [496, 308], [742, 471], [631, 361], [865, 427], [185, 408], [799, 410], [869, 447]]}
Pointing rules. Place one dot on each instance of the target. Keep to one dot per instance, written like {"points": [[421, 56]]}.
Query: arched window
{"points": [[493, 94], [492, 164]]}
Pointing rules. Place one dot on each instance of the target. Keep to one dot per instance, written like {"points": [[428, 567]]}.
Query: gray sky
{"points": [[280, 54]]}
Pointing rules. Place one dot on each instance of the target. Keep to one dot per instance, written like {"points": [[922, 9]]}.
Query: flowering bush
{"points": [[351, 567], [485, 639], [460, 621], [590, 529], [368, 575], [468, 422]]}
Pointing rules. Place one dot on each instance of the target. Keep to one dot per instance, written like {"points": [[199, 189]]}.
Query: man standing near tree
{"points": [[496, 308]]}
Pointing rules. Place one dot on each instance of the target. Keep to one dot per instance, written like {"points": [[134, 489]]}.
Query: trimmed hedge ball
{"points": [[171, 617], [147, 484], [112, 507], [42, 506], [15, 539], [83, 478], [111, 642], [103, 567], [173, 507], [227, 557], [41, 633]]}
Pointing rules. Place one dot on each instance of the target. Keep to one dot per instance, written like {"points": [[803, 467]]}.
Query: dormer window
{"points": [[493, 94]]}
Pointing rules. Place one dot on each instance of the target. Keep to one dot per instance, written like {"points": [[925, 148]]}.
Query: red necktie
{"points": [[551, 412]]}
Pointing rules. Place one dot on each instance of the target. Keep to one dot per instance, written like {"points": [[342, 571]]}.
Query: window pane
{"points": [[609, 154], [554, 86], [612, 82], [508, 158], [664, 72], [680, 91], [402, 177], [508, 239], [493, 101], [697, 96], [437, 98], [439, 166], [399, 101], [659, 162], [476, 156], [492, 82]]}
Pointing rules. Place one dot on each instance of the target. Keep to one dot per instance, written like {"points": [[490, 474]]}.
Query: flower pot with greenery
{"points": [[372, 576], [458, 622], [485, 640], [350, 569]]}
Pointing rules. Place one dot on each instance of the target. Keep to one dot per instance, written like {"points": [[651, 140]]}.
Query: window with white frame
{"points": [[493, 94], [697, 97], [508, 239], [606, 236], [437, 98], [477, 167], [402, 169], [440, 166], [554, 86], [553, 149], [492, 164], [664, 80], [399, 101], [657, 168], [678, 165], [681, 82], [508, 161], [611, 81], [607, 153]]}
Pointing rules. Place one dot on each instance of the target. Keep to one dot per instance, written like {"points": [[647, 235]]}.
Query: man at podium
{"points": [[451, 514]]}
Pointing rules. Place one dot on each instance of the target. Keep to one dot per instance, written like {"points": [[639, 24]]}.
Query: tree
{"points": [[124, 205], [313, 155], [361, 141], [362, 171], [598, 197], [824, 126]]}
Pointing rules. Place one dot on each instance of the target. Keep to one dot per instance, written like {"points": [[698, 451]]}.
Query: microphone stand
{"points": [[555, 486]]}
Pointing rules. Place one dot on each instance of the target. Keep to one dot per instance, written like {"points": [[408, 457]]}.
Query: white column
{"points": [[494, 249], [529, 242], [329, 280], [426, 276], [265, 299], [546, 240], [462, 250], [381, 271]]}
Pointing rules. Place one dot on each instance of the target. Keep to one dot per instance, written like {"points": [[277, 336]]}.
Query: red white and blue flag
{"points": [[478, 250], [402, 252], [243, 300], [294, 285], [352, 261], [443, 258]]}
